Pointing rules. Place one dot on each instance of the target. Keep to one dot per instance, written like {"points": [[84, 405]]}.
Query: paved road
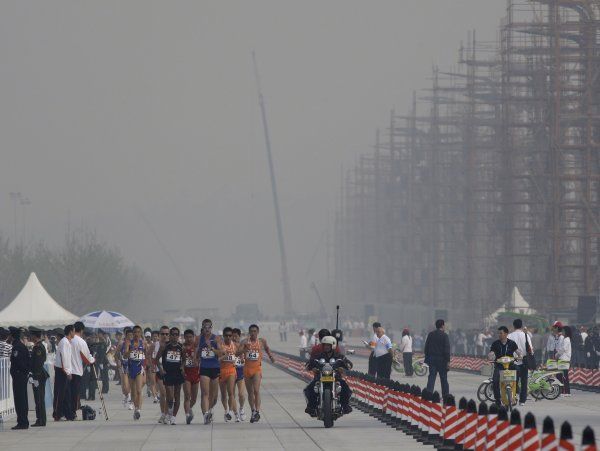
{"points": [[283, 426], [581, 410]]}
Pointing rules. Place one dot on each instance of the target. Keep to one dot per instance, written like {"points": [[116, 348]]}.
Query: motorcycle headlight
{"points": [[322, 361], [327, 372], [332, 360]]}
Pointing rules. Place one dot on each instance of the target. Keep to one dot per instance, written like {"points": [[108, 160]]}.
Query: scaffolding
{"points": [[495, 186]]}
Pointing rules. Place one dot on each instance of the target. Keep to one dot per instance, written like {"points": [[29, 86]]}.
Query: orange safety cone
{"points": [[548, 436], [502, 430], [531, 439], [515, 435], [482, 420], [588, 441], [566, 442], [470, 426], [462, 419], [492, 427]]}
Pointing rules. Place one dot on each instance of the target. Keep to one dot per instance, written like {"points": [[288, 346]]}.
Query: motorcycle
{"points": [[541, 384], [328, 390], [419, 366]]}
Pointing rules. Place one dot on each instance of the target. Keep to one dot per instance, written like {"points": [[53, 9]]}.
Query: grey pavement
{"points": [[283, 426], [581, 410]]}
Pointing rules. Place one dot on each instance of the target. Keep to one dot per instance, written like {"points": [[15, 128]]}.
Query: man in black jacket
{"points": [[437, 356], [502, 347], [19, 370]]}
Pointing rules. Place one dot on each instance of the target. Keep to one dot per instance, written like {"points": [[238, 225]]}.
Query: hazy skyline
{"points": [[117, 110]]}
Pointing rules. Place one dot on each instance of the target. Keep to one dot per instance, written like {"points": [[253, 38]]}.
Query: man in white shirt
{"points": [[80, 356], [371, 345], [383, 354], [303, 344], [62, 376], [523, 341]]}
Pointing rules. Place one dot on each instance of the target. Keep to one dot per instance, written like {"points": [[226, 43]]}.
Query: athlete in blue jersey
{"points": [[135, 351], [209, 369]]}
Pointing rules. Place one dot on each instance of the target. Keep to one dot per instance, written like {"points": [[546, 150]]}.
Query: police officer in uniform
{"points": [[19, 371], [39, 375]]}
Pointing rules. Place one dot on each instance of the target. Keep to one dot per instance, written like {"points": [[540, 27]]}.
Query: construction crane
{"points": [[285, 278]]}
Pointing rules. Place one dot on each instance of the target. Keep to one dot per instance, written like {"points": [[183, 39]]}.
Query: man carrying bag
{"points": [[520, 337]]}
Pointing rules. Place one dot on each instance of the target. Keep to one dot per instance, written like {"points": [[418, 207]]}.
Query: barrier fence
{"points": [[468, 426], [7, 404], [581, 378]]}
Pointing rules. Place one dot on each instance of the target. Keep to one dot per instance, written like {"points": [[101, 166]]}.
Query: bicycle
{"points": [[420, 368]]}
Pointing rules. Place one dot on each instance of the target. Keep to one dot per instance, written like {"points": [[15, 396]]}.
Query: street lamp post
{"points": [[15, 197]]}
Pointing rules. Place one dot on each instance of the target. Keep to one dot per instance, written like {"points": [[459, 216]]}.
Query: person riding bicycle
{"points": [[328, 344], [504, 346]]}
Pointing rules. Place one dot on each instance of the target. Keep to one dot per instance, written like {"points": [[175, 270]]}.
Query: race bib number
{"points": [[229, 358], [173, 356], [189, 362], [136, 355], [239, 361], [206, 353], [252, 355]]}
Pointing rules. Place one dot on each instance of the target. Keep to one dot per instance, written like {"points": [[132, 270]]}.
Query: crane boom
{"points": [[285, 278]]}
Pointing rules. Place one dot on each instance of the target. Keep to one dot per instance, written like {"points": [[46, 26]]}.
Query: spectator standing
{"points": [[39, 375], [555, 340], [372, 370], [383, 354], [437, 356], [407, 351], [62, 376], [80, 357], [303, 344], [102, 346], [564, 353], [19, 371], [479, 343], [592, 349], [537, 343], [523, 341], [5, 346]]}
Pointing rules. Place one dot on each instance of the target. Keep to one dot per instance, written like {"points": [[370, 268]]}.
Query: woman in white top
{"points": [[564, 354], [407, 351]]}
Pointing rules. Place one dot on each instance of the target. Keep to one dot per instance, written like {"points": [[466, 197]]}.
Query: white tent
{"points": [[517, 304], [33, 306]]}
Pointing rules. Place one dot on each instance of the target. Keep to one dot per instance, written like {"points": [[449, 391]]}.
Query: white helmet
{"points": [[329, 340]]}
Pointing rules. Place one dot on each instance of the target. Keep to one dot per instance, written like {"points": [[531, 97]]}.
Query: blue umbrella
{"points": [[106, 320]]}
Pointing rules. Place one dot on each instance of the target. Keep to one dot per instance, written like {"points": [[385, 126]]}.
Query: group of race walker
{"points": [[172, 362]]}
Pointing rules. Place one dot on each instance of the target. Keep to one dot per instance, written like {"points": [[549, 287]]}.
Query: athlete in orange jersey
{"points": [[226, 352], [252, 348]]}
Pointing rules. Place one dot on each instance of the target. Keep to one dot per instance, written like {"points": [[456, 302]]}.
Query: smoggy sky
{"points": [[111, 111]]}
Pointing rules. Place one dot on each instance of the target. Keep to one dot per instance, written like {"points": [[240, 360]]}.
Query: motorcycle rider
{"points": [[328, 351], [504, 346]]}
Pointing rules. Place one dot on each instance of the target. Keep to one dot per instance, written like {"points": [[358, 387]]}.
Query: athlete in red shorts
{"points": [[192, 374]]}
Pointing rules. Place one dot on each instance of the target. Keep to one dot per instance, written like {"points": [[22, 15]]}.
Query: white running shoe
{"points": [[130, 406], [242, 414], [155, 400], [228, 416], [206, 420], [237, 417], [172, 421], [162, 418]]}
